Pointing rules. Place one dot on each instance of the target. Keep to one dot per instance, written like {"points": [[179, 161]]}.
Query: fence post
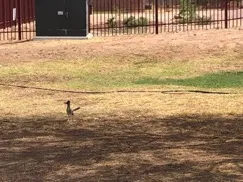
{"points": [[4, 13], [226, 14], [156, 17], [19, 19], [88, 14]]}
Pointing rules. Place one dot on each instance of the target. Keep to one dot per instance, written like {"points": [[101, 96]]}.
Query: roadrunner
{"points": [[69, 110]]}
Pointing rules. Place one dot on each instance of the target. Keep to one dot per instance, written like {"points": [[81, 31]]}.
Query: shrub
{"points": [[133, 22], [204, 20], [142, 21], [184, 20], [130, 22], [112, 22]]}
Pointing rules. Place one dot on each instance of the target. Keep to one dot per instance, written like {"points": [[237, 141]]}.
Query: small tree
{"points": [[187, 10]]}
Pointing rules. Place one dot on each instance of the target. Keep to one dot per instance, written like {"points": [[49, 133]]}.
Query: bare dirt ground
{"points": [[176, 46], [178, 148], [123, 137]]}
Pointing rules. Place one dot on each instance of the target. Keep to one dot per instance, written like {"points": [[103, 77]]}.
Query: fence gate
{"points": [[61, 18]]}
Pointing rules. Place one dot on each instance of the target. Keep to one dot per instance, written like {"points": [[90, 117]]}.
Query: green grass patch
{"points": [[105, 73], [214, 80], [93, 74]]}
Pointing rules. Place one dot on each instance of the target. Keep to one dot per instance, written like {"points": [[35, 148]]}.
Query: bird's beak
{"points": [[65, 102]]}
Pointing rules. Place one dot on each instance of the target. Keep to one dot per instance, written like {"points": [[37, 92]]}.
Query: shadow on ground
{"points": [[180, 148]]}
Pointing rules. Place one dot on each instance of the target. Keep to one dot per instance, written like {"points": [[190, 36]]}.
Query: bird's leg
{"points": [[70, 118]]}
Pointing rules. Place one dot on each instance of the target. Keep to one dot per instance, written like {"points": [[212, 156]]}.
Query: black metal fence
{"points": [[112, 17], [17, 19]]}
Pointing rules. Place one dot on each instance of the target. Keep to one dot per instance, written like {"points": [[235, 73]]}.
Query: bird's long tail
{"points": [[76, 109]]}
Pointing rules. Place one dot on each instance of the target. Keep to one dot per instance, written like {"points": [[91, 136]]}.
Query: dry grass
{"points": [[29, 102], [116, 63], [130, 136]]}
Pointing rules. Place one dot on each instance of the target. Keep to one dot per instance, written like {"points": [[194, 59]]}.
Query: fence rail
{"points": [[112, 17]]}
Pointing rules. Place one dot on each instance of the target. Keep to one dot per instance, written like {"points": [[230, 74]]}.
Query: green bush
{"points": [[112, 22], [142, 21], [204, 20], [185, 20], [130, 22], [133, 22]]}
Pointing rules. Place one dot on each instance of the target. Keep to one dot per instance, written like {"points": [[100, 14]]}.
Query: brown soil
{"points": [[184, 45], [178, 148]]}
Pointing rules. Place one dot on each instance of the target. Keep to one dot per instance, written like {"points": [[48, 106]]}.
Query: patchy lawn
{"points": [[151, 116]]}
